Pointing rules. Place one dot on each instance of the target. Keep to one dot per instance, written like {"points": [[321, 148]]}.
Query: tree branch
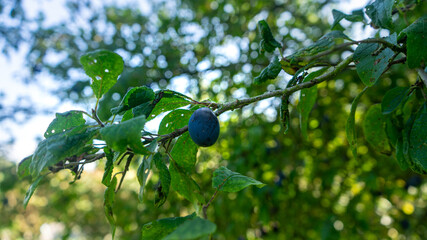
{"points": [[326, 53], [332, 72], [342, 46], [88, 159], [173, 134], [382, 41], [95, 116]]}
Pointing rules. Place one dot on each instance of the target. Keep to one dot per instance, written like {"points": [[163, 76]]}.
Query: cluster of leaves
{"points": [[397, 126], [69, 144], [398, 123]]}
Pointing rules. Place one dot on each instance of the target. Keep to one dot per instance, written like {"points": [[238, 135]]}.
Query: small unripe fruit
{"points": [[203, 127]]}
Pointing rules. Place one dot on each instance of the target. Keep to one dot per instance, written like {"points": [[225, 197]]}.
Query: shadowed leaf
{"points": [[416, 43], [126, 134], [374, 129], [229, 181], [165, 180], [160, 228], [350, 127], [380, 13], [371, 60], [270, 72], [134, 97], [192, 229], [31, 190], [268, 43]]}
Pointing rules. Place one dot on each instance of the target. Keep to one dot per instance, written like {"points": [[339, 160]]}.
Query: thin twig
{"points": [[125, 170], [95, 116], [400, 60], [122, 157], [205, 207], [336, 48], [85, 113], [89, 159], [403, 9], [384, 42]]}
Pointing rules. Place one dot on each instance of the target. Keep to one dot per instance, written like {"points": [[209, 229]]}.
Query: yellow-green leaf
{"points": [[103, 67]]}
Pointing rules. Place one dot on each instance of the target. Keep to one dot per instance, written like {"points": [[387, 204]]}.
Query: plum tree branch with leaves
{"points": [[172, 154]]}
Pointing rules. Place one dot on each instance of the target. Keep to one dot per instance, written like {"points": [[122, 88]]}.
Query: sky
{"points": [[28, 131]]}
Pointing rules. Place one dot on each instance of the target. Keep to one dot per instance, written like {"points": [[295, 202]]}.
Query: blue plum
{"points": [[203, 127]]}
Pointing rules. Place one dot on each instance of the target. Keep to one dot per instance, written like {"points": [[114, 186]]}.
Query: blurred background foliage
{"points": [[209, 50]]}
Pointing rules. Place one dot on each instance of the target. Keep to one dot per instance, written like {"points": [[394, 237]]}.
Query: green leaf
{"points": [[126, 134], [418, 140], [24, 167], [356, 16], [326, 42], [411, 106], [403, 164], [64, 121], [370, 64], [142, 174], [184, 184], [374, 129], [268, 43], [284, 113], [164, 100], [144, 170], [109, 196], [416, 44], [380, 13], [270, 72], [307, 100], [134, 97], [350, 127], [109, 165], [405, 139], [192, 229], [171, 93], [174, 120], [393, 98], [103, 67], [72, 142], [392, 130], [229, 181], [302, 58], [160, 228], [165, 181], [184, 152], [168, 100], [143, 109], [127, 115], [31, 190]]}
